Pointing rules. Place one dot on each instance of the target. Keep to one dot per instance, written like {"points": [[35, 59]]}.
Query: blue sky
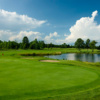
{"points": [[55, 20]]}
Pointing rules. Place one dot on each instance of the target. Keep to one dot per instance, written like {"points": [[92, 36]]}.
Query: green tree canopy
{"points": [[93, 45], [34, 44], [25, 42], [87, 45], [79, 43]]}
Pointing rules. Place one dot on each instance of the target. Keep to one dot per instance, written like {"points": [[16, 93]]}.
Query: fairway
{"points": [[25, 79]]}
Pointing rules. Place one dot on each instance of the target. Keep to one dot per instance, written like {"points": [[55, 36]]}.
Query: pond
{"points": [[75, 56]]}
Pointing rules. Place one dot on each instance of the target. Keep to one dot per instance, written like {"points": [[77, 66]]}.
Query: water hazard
{"points": [[75, 56]]}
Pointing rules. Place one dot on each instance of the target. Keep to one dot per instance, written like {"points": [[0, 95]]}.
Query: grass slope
{"points": [[29, 79]]}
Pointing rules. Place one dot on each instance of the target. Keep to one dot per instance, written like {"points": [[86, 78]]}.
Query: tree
{"points": [[98, 47], [48, 46], [87, 45], [0, 44], [93, 45], [64, 45], [20, 45], [79, 44], [41, 44], [0, 41], [34, 44], [51, 45], [25, 42]]}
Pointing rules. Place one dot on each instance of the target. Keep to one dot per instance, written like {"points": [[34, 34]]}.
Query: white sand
{"points": [[49, 61]]}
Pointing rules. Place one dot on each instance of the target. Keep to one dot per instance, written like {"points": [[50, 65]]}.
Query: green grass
{"points": [[48, 51], [30, 79]]}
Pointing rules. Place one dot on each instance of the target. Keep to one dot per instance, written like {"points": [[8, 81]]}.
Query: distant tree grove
{"points": [[79, 44], [35, 44]]}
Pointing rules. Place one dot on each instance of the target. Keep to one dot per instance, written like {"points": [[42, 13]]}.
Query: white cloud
{"points": [[55, 34], [5, 34], [65, 35], [31, 35], [85, 28], [60, 41], [94, 14], [15, 22], [14, 26], [50, 37]]}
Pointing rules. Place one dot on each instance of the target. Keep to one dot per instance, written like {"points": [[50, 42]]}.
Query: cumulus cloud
{"points": [[85, 28], [4, 34], [65, 35], [50, 37], [32, 35], [94, 14], [14, 26], [16, 22], [60, 41]]}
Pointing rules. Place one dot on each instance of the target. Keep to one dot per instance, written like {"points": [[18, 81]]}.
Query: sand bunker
{"points": [[49, 61]]}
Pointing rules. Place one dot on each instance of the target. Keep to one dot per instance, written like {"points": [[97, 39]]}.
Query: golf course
{"points": [[49, 49], [39, 78]]}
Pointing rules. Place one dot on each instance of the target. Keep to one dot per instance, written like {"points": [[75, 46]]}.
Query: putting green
{"points": [[25, 77]]}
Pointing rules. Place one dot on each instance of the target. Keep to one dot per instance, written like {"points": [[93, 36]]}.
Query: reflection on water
{"points": [[75, 56]]}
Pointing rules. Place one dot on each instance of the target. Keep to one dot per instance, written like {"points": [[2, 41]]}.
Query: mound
{"points": [[33, 80]]}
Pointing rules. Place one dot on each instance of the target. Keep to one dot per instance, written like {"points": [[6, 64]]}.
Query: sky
{"points": [[56, 21]]}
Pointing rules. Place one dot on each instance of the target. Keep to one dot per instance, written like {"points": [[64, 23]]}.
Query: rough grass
{"points": [[30, 79], [46, 51]]}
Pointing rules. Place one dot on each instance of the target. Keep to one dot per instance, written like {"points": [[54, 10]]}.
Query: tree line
{"points": [[80, 43], [35, 44]]}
